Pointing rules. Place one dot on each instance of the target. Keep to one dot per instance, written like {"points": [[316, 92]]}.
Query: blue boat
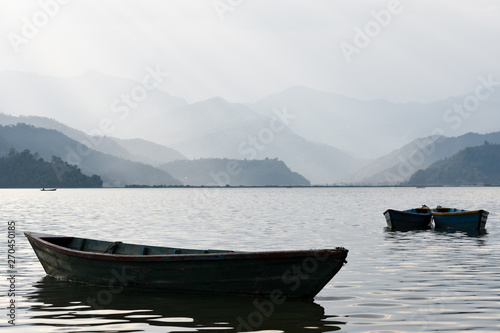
{"points": [[410, 219], [459, 219]]}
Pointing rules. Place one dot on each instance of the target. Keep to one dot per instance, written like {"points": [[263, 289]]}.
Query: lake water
{"points": [[417, 281]]}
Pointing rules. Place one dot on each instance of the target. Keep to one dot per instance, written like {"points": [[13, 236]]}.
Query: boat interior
{"points": [[97, 246], [440, 209], [423, 210]]}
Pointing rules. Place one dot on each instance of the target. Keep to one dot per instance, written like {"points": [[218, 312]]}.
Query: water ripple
{"points": [[416, 281]]}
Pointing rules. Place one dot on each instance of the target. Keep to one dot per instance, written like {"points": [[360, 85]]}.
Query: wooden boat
{"points": [[453, 218], [116, 265], [48, 189], [410, 219]]}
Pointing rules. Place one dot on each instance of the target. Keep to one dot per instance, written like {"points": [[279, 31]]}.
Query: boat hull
{"points": [[407, 220], [295, 274], [460, 219]]}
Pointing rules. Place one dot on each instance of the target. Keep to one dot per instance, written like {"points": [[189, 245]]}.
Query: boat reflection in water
{"points": [[479, 234], [79, 306]]}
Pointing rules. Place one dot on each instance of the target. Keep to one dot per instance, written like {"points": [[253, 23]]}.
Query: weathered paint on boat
{"points": [[294, 274], [410, 219], [453, 218]]}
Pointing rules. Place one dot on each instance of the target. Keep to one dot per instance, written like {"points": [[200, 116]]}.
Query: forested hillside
{"points": [[26, 170], [222, 171], [471, 166]]}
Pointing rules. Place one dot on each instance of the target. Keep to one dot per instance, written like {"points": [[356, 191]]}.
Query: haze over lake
{"points": [[341, 93]]}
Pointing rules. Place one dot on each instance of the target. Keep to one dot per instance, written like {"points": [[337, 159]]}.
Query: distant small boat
{"points": [[48, 189], [294, 274], [460, 219], [410, 219]]}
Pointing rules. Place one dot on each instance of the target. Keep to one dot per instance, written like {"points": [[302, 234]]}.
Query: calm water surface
{"points": [[417, 281]]}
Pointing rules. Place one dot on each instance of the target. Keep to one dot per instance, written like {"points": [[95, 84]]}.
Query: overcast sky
{"points": [[243, 50]]}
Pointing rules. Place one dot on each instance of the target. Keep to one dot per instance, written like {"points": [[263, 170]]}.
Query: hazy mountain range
{"points": [[117, 171], [114, 171], [399, 165], [327, 138], [137, 150]]}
